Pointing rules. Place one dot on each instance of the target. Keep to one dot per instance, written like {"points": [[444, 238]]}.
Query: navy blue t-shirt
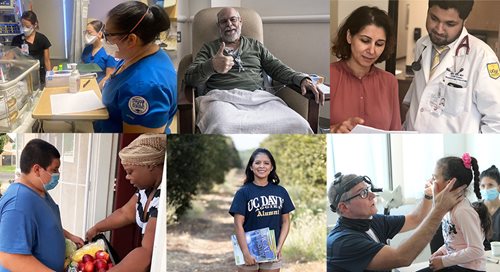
{"points": [[352, 250], [262, 206]]}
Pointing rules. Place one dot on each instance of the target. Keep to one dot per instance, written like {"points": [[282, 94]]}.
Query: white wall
{"points": [[417, 16], [303, 46]]}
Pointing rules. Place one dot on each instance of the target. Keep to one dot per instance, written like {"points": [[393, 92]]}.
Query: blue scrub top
{"points": [[144, 94], [31, 225], [100, 58]]}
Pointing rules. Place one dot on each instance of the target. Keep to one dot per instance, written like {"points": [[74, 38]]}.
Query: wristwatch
{"points": [[428, 197]]}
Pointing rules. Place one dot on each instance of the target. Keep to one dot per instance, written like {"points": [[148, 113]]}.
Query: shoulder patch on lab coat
{"points": [[493, 70], [138, 105]]}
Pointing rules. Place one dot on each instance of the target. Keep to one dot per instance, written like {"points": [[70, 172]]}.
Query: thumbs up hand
{"points": [[222, 64]]}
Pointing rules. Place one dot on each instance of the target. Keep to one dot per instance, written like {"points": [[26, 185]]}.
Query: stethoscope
{"points": [[417, 66]]}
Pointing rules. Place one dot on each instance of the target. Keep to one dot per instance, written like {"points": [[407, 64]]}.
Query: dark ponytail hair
{"points": [[127, 15], [454, 167], [484, 216], [97, 25], [249, 176]]}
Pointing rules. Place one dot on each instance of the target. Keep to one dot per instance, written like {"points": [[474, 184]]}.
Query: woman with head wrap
{"points": [[143, 162]]}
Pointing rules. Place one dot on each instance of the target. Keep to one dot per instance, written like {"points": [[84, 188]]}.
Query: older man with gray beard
{"points": [[233, 98]]}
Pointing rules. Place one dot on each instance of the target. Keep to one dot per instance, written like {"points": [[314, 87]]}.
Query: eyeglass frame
{"points": [[106, 35], [232, 19], [365, 192]]}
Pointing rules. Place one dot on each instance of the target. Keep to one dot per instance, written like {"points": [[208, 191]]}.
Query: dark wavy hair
{"points": [[249, 176], [463, 7], [357, 21], [491, 173]]}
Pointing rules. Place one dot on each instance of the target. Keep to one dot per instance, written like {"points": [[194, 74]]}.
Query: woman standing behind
{"points": [[34, 43], [490, 188], [143, 161], [253, 199], [363, 93], [141, 95], [94, 51]]}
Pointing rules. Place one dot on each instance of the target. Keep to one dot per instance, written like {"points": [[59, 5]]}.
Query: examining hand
{"points": [[307, 84], [222, 64], [347, 125], [447, 199], [428, 188]]}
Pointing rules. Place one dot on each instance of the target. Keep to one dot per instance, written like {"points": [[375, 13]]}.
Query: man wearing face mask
{"points": [[31, 233], [94, 51], [34, 43]]}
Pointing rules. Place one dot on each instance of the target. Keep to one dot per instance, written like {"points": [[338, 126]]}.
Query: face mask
{"points": [[54, 180], [27, 31], [490, 194], [89, 39]]}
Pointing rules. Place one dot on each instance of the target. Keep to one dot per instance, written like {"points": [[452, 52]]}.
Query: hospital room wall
{"points": [[302, 46]]}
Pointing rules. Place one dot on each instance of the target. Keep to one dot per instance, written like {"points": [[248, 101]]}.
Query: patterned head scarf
{"points": [[145, 150]]}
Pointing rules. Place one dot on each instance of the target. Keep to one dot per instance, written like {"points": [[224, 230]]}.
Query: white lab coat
{"points": [[473, 108]]}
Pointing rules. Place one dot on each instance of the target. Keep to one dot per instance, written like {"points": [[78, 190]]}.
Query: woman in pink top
{"points": [[463, 228], [363, 93]]}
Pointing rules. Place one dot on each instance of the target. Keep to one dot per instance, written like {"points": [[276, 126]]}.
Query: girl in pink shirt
{"points": [[463, 229]]}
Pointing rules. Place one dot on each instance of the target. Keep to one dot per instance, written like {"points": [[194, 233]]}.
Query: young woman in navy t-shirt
{"points": [[261, 203]]}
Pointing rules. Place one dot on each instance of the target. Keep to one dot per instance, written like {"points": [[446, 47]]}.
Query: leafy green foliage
{"points": [[194, 164]]}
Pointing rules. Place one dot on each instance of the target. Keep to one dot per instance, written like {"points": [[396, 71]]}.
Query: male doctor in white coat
{"points": [[457, 91]]}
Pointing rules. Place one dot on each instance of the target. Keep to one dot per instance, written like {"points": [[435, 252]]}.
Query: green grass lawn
{"points": [[8, 168]]}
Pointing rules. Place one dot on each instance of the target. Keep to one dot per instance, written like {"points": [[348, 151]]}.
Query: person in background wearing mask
{"points": [[141, 95], [34, 43], [490, 187], [31, 233], [94, 51], [143, 161]]}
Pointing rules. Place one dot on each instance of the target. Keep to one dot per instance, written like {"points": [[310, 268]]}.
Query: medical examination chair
{"points": [[204, 29]]}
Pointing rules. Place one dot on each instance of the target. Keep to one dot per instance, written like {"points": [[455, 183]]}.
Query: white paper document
{"points": [[324, 88], [370, 130], [75, 102]]}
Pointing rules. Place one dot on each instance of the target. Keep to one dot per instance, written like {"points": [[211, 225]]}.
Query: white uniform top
{"points": [[463, 94], [142, 198]]}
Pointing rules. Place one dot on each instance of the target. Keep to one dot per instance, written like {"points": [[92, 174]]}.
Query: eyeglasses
{"points": [[107, 35], [233, 20], [363, 194]]}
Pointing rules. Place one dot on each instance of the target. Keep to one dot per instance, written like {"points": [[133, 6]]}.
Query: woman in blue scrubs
{"points": [[94, 51], [141, 95]]}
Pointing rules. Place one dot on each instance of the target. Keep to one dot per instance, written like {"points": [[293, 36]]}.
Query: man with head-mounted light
{"points": [[358, 241]]}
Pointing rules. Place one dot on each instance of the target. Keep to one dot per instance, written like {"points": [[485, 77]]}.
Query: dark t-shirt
{"points": [[352, 250], [262, 206], [40, 43]]}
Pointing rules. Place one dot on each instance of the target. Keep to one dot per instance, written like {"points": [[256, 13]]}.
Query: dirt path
{"points": [[201, 242]]}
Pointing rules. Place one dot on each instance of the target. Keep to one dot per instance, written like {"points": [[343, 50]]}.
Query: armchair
{"points": [[203, 30]]}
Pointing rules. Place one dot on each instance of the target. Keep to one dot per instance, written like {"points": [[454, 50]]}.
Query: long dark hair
{"points": [[454, 167], [491, 173], [273, 177]]}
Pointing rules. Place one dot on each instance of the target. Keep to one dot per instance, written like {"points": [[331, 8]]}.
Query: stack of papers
{"points": [[75, 102], [261, 244]]}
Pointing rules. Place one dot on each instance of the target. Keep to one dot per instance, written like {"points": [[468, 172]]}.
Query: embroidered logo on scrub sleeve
{"points": [[493, 70], [138, 105]]}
